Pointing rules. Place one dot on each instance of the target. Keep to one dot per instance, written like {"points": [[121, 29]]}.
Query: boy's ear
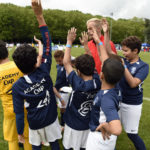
{"points": [[79, 73], [101, 75], [135, 50]]}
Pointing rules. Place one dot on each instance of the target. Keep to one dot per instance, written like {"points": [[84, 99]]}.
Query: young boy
{"points": [[131, 87], [104, 114], [61, 81], [85, 86], [136, 72], [9, 74], [36, 88]]}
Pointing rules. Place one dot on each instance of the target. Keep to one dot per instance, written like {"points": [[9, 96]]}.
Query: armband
{"points": [[125, 66], [68, 45], [100, 43]]}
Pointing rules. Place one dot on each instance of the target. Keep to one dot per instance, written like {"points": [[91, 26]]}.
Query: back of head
{"points": [[85, 64], [113, 70], [25, 57], [97, 21], [3, 50], [114, 56], [58, 54], [132, 42]]}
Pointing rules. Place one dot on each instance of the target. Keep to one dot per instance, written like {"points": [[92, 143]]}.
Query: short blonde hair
{"points": [[97, 21]]}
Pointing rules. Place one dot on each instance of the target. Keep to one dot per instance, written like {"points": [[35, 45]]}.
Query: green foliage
{"points": [[147, 30], [18, 24]]}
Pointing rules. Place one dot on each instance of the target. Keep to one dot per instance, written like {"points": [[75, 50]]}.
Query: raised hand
{"points": [[95, 36], [37, 8], [39, 58], [105, 25], [84, 38], [40, 46], [36, 40], [71, 35]]}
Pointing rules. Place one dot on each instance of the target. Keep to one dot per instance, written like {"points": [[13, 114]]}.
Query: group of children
{"points": [[89, 102]]}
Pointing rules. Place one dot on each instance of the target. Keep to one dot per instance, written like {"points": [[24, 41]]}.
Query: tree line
{"points": [[18, 24]]}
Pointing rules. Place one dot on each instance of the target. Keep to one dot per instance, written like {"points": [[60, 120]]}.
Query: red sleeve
{"points": [[113, 47]]}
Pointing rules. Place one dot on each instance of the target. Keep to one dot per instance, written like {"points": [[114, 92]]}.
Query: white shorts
{"points": [[130, 117], [65, 97], [48, 134], [74, 138], [95, 141]]}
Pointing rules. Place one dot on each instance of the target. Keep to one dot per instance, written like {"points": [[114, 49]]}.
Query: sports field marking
{"points": [[146, 98]]}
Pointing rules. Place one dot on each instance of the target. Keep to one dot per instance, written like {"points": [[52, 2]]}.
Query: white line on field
{"points": [[146, 98]]}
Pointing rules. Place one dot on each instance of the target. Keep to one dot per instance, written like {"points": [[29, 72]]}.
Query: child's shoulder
{"points": [[142, 62], [113, 93]]}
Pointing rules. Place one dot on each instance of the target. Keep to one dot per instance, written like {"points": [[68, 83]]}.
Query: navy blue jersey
{"points": [[134, 96], [105, 107], [77, 115], [36, 89], [61, 79]]}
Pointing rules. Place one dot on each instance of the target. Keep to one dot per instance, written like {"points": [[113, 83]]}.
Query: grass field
{"points": [[123, 143]]}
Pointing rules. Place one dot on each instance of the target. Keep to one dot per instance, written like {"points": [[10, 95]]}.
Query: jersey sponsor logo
{"points": [[85, 108], [9, 76], [36, 88], [45, 101], [133, 70], [7, 79], [11, 81]]}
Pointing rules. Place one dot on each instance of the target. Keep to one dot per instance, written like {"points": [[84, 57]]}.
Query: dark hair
{"points": [[85, 64], [114, 56], [113, 70], [58, 53], [3, 50], [25, 57], [132, 42]]}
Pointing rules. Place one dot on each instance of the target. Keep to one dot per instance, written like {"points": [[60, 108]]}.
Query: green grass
{"points": [[123, 143]]}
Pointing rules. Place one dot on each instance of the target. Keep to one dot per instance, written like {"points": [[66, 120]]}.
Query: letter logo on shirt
{"points": [[133, 69], [85, 108]]}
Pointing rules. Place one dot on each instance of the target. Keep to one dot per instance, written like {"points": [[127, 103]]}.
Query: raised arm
{"points": [[39, 59], [105, 27], [37, 8], [84, 41], [67, 57], [101, 48], [46, 57]]}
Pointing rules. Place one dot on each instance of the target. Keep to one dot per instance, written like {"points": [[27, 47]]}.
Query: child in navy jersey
{"points": [[104, 114], [136, 72], [61, 81], [36, 88], [85, 85]]}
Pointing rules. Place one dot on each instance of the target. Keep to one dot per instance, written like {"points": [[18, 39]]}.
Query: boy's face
{"points": [[59, 61], [128, 54]]}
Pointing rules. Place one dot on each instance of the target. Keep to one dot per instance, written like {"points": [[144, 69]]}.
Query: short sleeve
{"points": [[74, 80], [142, 73], [109, 108]]}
